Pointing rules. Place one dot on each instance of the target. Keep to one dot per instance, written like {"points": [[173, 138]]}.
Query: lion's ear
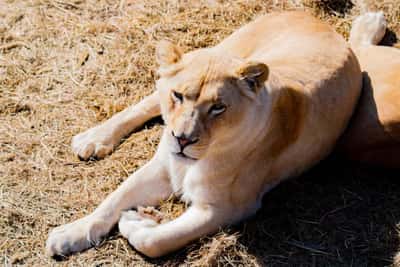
{"points": [[253, 75], [167, 53]]}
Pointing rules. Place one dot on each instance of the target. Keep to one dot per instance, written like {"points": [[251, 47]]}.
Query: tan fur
{"points": [[288, 119], [264, 105], [373, 135]]}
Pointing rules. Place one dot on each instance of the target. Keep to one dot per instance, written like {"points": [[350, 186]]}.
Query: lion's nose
{"points": [[184, 141]]}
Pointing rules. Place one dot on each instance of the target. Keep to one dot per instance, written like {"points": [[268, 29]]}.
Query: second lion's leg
{"points": [[146, 187], [100, 140]]}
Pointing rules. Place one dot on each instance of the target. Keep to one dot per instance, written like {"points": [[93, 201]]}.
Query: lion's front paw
{"points": [[75, 236], [96, 142], [131, 222], [138, 230]]}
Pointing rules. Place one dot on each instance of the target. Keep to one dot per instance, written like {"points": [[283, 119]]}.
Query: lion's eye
{"points": [[251, 83], [177, 96], [217, 109]]}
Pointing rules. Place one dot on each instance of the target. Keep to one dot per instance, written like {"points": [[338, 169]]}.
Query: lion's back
{"points": [[308, 56]]}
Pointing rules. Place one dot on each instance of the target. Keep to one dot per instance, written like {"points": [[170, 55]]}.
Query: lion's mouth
{"points": [[183, 155]]}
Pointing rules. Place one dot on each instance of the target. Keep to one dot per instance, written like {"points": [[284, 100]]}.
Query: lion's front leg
{"points": [[148, 186], [100, 140], [155, 240]]}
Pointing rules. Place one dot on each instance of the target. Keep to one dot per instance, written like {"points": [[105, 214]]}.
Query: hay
{"points": [[67, 65]]}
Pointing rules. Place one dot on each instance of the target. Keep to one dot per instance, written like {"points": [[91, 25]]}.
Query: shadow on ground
{"points": [[389, 39], [340, 7], [334, 215]]}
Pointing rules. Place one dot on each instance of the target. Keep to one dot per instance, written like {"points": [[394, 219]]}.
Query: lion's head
{"points": [[205, 97]]}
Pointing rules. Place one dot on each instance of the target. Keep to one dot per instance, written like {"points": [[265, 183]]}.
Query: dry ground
{"points": [[67, 65]]}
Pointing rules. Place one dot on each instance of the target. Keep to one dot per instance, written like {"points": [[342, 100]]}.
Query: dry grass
{"points": [[66, 65]]}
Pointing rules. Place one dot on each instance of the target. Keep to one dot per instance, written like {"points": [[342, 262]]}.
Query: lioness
{"points": [[265, 104]]}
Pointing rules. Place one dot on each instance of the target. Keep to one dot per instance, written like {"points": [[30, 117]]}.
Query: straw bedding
{"points": [[65, 66]]}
